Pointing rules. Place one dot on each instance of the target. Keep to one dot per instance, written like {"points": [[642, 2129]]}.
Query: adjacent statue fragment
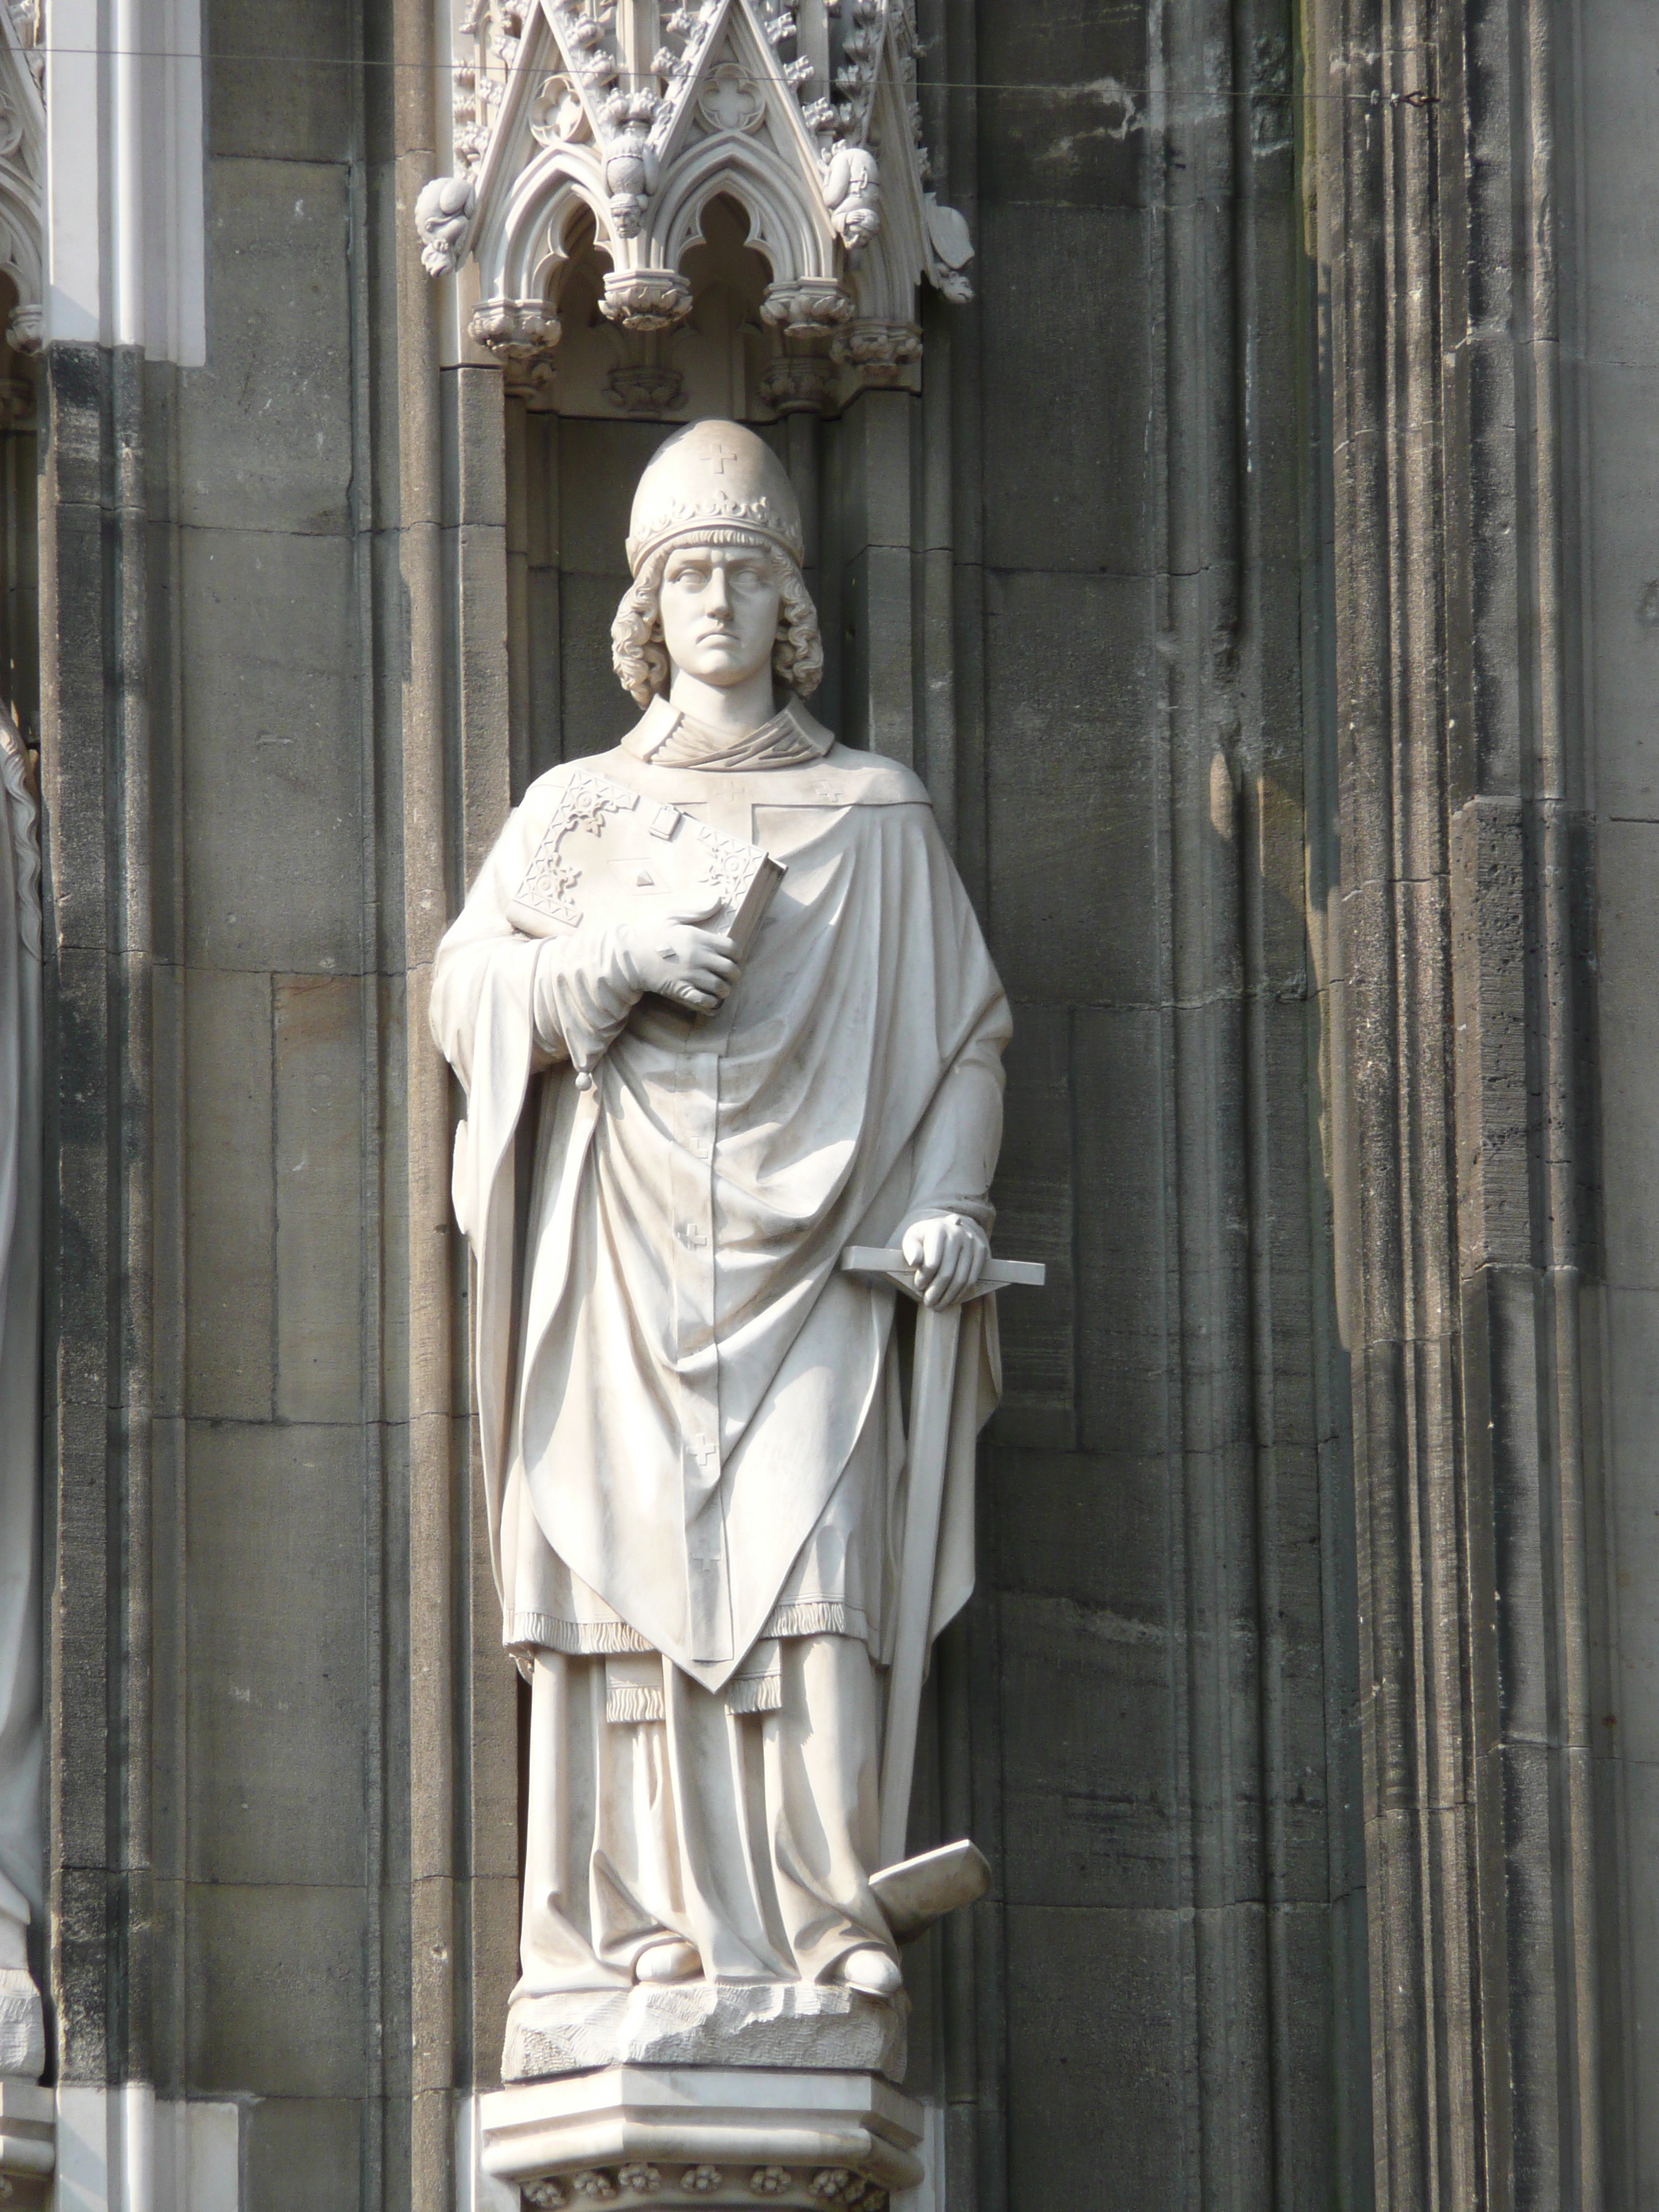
{"points": [[692, 1435], [22, 2046]]}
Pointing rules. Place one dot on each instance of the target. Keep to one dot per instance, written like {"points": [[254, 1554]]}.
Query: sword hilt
{"points": [[888, 1259]]}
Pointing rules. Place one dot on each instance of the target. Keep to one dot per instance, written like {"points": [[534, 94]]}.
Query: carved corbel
{"points": [[646, 299], [806, 313], [879, 351], [808, 306], [645, 388], [799, 384], [522, 334]]}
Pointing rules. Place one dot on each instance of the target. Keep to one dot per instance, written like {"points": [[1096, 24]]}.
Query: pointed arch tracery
{"points": [[787, 222], [805, 116], [22, 184]]}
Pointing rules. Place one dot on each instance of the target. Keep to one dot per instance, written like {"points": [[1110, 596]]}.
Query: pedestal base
{"points": [[723, 2024], [710, 2136]]}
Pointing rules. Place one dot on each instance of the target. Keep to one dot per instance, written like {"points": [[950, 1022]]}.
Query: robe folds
{"points": [[688, 1413]]}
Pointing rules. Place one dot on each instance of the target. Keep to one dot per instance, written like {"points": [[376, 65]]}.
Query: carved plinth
{"points": [[711, 2136], [760, 2025]]}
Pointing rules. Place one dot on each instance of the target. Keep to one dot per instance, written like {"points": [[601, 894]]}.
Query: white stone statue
{"points": [[692, 1434], [22, 2047]]}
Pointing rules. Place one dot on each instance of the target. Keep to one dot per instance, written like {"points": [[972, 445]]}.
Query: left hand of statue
{"points": [[948, 1255]]}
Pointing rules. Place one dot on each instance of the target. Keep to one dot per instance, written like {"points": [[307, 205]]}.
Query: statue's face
{"points": [[720, 612]]}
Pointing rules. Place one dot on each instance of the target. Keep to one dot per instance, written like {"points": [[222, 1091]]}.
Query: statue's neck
{"points": [[725, 710], [672, 739]]}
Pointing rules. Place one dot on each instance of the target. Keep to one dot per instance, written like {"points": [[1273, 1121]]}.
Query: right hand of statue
{"points": [[679, 959]]}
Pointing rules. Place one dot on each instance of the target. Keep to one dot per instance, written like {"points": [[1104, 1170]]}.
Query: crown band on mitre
{"points": [[713, 476]]}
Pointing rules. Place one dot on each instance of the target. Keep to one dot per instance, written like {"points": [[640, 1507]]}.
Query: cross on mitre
{"points": [[720, 453]]}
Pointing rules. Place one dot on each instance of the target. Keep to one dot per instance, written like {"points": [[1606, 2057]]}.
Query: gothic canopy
{"points": [[619, 122]]}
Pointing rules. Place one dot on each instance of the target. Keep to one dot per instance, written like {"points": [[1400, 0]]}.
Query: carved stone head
{"points": [[714, 484]]}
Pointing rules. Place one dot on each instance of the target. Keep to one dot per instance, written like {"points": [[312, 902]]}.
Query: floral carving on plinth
{"points": [[786, 2189]]}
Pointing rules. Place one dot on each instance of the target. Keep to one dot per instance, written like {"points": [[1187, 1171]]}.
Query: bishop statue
{"points": [[692, 1428]]}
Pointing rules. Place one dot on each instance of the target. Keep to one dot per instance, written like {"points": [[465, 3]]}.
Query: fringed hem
{"points": [[754, 1693], [633, 1701], [598, 1639], [818, 1616], [576, 1639]]}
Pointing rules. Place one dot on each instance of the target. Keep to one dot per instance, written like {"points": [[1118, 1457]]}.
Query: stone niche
{"points": [[724, 359], [724, 212], [755, 2082]]}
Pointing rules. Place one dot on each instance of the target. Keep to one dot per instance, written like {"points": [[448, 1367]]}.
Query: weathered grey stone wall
{"points": [[275, 1453], [228, 1387], [1610, 102], [1162, 1701], [20, 596], [1460, 977]]}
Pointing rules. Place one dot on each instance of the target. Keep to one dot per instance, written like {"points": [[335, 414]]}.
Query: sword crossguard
{"points": [[888, 1259]]}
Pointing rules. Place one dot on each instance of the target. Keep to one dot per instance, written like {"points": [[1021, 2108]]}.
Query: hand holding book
{"points": [[682, 901], [587, 986], [680, 956]]}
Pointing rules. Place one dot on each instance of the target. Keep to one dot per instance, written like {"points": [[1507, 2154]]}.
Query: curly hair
{"points": [[641, 659]]}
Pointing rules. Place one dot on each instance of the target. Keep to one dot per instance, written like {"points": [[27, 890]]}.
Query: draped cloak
{"points": [[672, 1368]]}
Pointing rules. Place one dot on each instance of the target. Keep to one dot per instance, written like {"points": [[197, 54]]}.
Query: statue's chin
{"points": [[723, 670]]}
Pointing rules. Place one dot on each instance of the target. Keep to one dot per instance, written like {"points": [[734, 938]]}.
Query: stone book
{"points": [[608, 856]]}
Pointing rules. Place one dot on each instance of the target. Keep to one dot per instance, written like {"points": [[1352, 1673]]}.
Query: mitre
{"points": [[707, 480]]}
